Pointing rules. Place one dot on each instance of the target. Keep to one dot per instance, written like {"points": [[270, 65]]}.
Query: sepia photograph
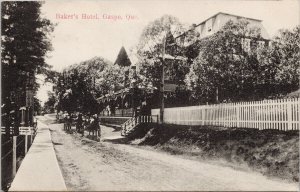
{"points": [[140, 95]]}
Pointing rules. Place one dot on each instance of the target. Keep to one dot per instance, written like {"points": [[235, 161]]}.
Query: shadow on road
{"points": [[116, 140]]}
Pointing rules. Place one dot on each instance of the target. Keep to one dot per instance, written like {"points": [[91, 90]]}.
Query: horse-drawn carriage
{"points": [[84, 123]]}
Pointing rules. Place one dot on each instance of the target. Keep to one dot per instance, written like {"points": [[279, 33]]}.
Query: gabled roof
{"points": [[222, 13], [122, 58], [252, 23]]}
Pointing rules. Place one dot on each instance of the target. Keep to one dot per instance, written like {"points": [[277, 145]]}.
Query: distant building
{"points": [[215, 23], [122, 102]]}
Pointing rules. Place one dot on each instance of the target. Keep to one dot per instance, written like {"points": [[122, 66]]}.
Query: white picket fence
{"points": [[281, 114]]}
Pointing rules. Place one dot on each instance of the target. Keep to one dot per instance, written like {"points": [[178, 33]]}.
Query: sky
{"points": [[77, 39]]}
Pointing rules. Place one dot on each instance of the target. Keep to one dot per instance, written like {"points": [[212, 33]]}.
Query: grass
{"points": [[271, 152]]}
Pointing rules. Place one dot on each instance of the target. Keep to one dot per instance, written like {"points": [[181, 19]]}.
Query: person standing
{"points": [[65, 120], [80, 123], [69, 122], [97, 126]]}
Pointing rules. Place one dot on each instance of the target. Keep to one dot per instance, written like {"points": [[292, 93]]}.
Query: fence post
{"points": [[289, 114], [26, 143], [1, 159], [202, 116], [238, 115], [297, 111], [14, 159], [29, 140], [31, 137]]}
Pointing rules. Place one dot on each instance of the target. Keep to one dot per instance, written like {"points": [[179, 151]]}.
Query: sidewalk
{"points": [[39, 170]]}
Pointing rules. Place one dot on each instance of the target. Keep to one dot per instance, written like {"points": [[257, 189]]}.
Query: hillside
{"points": [[270, 152]]}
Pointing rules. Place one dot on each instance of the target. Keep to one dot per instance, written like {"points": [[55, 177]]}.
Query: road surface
{"points": [[91, 165]]}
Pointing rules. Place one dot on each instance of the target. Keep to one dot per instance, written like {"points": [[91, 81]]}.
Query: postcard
{"points": [[160, 95]]}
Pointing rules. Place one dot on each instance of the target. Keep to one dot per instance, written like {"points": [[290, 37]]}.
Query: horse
{"points": [[94, 127], [79, 123]]}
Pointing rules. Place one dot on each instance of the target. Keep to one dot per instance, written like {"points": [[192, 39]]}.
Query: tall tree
{"points": [[150, 50], [79, 86], [49, 106], [285, 53], [25, 43]]}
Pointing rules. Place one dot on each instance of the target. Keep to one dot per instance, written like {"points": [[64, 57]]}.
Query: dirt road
{"points": [[91, 165]]}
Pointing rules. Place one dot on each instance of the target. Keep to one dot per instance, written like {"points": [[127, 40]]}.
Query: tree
{"points": [[225, 69], [49, 105], [110, 79], [79, 86], [150, 51], [285, 53], [25, 43], [37, 106]]}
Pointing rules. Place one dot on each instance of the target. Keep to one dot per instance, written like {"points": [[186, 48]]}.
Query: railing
{"points": [[131, 123], [118, 112], [281, 114], [13, 147]]}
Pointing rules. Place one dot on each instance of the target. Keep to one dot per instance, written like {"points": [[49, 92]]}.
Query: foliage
{"points": [[79, 86], [224, 69], [49, 106], [216, 66], [37, 106], [150, 48], [285, 54], [111, 79], [25, 43]]}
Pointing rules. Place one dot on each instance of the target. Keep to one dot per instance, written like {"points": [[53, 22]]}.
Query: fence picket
{"points": [[280, 114]]}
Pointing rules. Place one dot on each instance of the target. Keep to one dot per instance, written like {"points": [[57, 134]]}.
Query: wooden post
{"points": [[298, 111], [26, 143], [31, 137], [29, 140], [1, 160], [238, 119], [289, 115], [162, 104], [202, 116], [27, 117], [14, 159]]}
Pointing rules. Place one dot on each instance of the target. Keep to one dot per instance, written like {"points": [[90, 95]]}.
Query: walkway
{"points": [[39, 170]]}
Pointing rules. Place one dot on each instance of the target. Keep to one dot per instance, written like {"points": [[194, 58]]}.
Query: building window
{"points": [[270, 44], [261, 44], [246, 44]]}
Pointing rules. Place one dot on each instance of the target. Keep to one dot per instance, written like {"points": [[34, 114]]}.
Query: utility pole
{"points": [[163, 58], [162, 106]]}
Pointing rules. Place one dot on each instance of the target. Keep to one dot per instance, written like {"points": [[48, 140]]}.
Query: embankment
{"points": [[271, 152]]}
